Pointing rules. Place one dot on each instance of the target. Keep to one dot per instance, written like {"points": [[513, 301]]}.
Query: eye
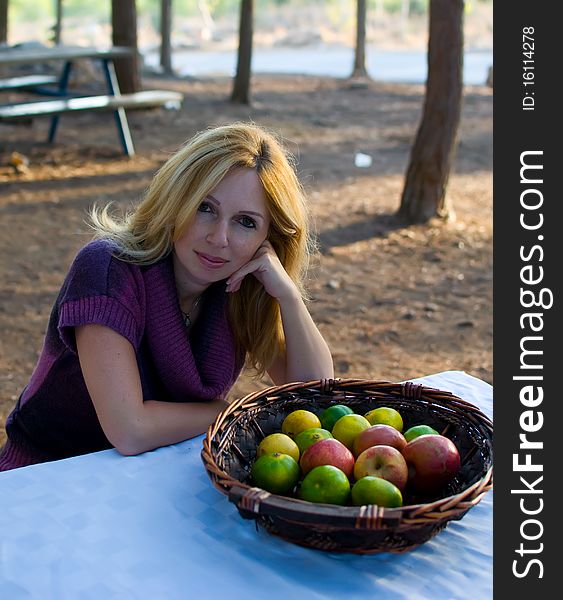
{"points": [[205, 207], [247, 222]]}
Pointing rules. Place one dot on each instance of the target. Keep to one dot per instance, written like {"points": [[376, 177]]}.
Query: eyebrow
{"points": [[210, 197], [245, 212]]}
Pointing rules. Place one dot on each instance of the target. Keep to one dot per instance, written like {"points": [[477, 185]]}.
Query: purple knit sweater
{"points": [[55, 417]]}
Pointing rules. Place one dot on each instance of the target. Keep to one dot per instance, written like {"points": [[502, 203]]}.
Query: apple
{"points": [[377, 435], [433, 460], [382, 461], [327, 452]]}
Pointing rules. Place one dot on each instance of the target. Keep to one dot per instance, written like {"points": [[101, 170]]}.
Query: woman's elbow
{"points": [[324, 370], [128, 449], [128, 441]]}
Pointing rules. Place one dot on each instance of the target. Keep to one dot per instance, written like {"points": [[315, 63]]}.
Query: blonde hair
{"points": [[148, 233]]}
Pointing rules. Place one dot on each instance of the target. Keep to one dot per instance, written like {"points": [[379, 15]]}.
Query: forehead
{"points": [[241, 189]]}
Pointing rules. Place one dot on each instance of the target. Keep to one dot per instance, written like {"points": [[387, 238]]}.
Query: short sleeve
{"points": [[103, 290]]}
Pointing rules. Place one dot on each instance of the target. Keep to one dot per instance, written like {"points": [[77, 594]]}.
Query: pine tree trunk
{"points": [[57, 30], [124, 33], [241, 83], [165, 34], [360, 70], [3, 21], [424, 193]]}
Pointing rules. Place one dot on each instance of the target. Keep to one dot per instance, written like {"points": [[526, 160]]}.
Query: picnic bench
{"points": [[112, 101], [26, 81]]}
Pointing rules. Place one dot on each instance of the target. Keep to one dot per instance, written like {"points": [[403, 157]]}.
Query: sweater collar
{"points": [[201, 366]]}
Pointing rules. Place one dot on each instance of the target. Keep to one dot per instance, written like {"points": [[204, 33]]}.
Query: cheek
{"points": [[190, 236], [244, 249], [181, 245]]}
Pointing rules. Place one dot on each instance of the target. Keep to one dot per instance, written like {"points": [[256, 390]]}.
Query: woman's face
{"points": [[229, 226]]}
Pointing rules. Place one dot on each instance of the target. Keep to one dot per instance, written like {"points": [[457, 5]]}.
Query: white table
{"points": [[104, 526], [32, 56]]}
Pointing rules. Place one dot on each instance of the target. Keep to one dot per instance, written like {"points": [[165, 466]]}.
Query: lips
{"points": [[211, 262]]}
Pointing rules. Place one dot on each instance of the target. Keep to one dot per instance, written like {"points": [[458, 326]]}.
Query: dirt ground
{"points": [[394, 302]]}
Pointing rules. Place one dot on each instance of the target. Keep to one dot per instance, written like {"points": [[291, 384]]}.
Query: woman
{"points": [[160, 312]]}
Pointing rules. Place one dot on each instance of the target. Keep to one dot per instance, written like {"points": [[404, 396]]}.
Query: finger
{"points": [[235, 286], [235, 281], [249, 267]]}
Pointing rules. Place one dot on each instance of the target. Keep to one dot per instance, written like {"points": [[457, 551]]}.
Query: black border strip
{"points": [[528, 168]]}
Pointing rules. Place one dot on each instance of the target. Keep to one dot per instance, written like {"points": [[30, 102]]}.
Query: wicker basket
{"points": [[229, 450]]}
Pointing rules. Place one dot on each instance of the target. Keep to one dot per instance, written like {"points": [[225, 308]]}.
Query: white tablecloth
{"points": [[104, 526]]}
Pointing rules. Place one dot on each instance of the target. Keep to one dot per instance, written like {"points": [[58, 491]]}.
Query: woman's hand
{"points": [[267, 268], [307, 355]]}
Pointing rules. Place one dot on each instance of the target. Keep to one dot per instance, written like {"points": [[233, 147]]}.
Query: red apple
{"points": [[433, 460], [327, 452], [382, 461], [377, 435]]}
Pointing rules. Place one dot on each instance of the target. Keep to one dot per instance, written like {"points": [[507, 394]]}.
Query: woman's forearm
{"points": [[307, 354], [132, 426], [160, 423]]}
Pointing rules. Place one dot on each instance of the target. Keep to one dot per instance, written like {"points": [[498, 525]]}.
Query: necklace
{"points": [[186, 315]]}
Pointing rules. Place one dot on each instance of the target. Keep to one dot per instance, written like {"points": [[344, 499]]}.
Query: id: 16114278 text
{"points": [[528, 74]]}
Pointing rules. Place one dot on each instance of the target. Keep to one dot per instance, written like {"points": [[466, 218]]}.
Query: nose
{"points": [[218, 234]]}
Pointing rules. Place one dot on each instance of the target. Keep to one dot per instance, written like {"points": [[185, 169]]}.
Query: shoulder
{"points": [[96, 253], [102, 289], [97, 269]]}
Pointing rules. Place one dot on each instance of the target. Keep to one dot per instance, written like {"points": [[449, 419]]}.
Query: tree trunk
{"points": [[124, 33], [424, 194], [360, 70], [165, 33], [3, 21], [241, 83], [57, 29]]}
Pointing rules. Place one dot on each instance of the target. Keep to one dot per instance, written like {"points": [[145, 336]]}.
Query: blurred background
{"points": [[314, 37]]}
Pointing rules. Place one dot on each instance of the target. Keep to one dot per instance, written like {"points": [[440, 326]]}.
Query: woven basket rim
{"points": [[442, 508]]}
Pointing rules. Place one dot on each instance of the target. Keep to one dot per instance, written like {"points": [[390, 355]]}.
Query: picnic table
{"points": [[111, 100], [153, 526]]}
